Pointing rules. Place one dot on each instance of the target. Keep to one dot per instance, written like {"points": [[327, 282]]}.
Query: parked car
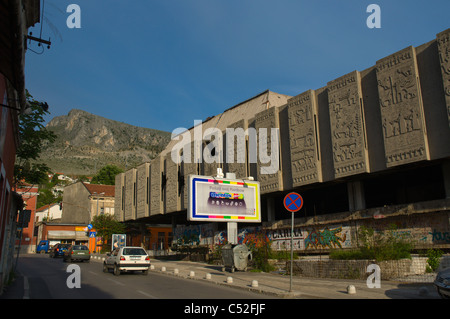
{"points": [[442, 283], [58, 250], [77, 252], [43, 247], [127, 259]]}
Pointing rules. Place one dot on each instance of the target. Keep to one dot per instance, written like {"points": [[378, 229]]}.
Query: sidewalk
{"points": [[278, 285]]}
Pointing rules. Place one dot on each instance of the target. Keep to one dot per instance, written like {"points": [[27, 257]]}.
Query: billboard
{"points": [[223, 200], [118, 240]]}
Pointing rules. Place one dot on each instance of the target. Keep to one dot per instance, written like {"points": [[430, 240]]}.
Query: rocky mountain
{"points": [[86, 142]]}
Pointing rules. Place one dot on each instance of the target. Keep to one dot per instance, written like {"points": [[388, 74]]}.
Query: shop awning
{"points": [[67, 234], [61, 234]]}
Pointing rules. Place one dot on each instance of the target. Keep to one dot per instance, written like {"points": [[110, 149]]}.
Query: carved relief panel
{"points": [[118, 200], [156, 171], [443, 41], [188, 167], [235, 154], [303, 137], [130, 194], [142, 190], [348, 134], [401, 108], [268, 160], [172, 198]]}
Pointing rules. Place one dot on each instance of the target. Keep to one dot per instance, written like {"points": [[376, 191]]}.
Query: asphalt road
{"points": [[41, 277]]}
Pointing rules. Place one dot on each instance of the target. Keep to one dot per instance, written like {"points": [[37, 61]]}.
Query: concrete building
{"points": [[82, 202], [26, 237], [57, 232], [371, 147], [15, 19], [49, 212]]}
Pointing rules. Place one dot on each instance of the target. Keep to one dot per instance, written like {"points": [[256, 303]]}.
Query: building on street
{"points": [[15, 19], [82, 202], [370, 148], [49, 212]]}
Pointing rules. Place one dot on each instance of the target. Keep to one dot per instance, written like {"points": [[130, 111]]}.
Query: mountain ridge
{"points": [[86, 142]]}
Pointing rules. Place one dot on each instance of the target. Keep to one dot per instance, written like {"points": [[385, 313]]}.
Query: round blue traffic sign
{"points": [[293, 202]]}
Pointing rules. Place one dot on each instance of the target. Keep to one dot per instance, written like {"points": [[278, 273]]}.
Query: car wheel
{"points": [[145, 272], [116, 270], [105, 268]]}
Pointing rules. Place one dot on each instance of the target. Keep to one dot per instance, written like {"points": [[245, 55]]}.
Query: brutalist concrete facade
{"points": [[374, 122]]}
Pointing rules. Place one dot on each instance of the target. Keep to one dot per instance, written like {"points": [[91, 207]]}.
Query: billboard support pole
{"points": [[293, 202], [232, 228], [232, 231]]}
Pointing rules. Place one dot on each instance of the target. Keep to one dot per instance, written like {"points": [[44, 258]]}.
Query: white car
{"points": [[127, 259]]}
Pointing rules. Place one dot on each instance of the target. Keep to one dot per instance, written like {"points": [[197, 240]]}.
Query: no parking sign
{"points": [[293, 202]]}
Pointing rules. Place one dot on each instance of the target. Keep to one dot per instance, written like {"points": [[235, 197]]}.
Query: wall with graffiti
{"points": [[424, 230], [304, 238], [335, 236], [194, 235]]}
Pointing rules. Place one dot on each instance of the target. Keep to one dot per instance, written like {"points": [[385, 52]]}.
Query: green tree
{"points": [[33, 135], [106, 226], [107, 175], [46, 197]]}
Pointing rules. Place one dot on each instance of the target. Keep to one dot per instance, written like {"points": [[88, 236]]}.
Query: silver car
{"points": [[442, 283], [127, 259]]}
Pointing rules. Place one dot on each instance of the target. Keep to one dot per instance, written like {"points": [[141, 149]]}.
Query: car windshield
{"points": [[79, 247], [134, 251]]}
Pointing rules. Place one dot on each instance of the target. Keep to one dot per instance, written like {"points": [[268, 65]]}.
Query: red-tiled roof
{"points": [[45, 207], [108, 190]]}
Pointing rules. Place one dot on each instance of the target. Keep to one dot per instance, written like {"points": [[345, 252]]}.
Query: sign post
{"points": [[293, 202]]}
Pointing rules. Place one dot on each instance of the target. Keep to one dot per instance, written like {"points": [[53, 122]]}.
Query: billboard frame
{"points": [[192, 213]]}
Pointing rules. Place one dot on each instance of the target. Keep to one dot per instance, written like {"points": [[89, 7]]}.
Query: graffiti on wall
{"points": [[194, 235], [280, 239], [311, 238], [327, 238], [440, 237], [250, 236], [421, 229]]}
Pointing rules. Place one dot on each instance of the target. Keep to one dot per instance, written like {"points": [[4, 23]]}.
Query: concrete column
{"points": [[446, 175], [232, 232], [142, 229], [356, 197], [270, 209]]}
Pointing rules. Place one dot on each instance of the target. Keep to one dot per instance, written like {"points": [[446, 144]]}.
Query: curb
{"points": [[225, 283], [259, 290]]}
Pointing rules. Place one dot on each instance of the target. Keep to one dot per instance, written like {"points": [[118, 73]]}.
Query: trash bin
{"points": [[235, 257]]}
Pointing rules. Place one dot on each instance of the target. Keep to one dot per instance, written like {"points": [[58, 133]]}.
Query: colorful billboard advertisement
{"points": [[223, 200]]}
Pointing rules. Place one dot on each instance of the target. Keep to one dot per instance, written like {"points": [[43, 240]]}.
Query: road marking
{"points": [[116, 282], [94, 273], [26, 288], [146, 294]]}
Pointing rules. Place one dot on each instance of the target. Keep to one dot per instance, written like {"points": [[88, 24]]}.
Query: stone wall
{"points": [[357, 269]]}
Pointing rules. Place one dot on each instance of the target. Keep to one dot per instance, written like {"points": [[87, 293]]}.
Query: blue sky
{"points": [[164, 63]]}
